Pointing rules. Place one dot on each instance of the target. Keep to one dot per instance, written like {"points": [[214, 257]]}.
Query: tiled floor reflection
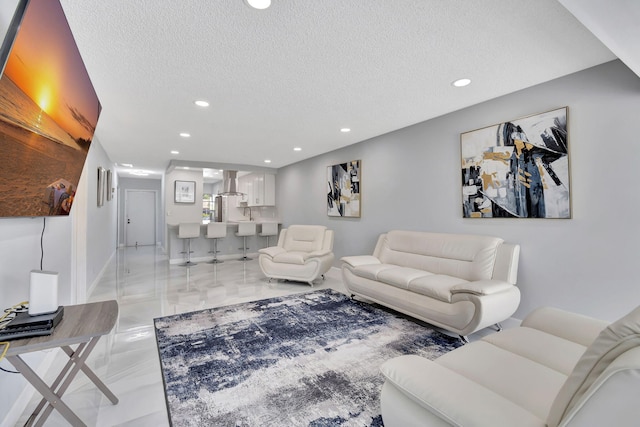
{"points": [[146, 286]]}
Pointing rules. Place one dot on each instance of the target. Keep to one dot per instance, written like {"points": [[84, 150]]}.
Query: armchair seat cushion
{"points": [[292, 257]]}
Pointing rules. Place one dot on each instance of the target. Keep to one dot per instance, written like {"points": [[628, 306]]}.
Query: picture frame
{"points": [[185, 192], [518, 168], [100, 186], [344, 191], [108, 184]]}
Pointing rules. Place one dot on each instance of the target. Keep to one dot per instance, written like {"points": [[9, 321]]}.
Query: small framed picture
{"points": [[185, 192]]}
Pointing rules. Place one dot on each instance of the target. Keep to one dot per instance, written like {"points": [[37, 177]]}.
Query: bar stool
{"points": [[245, 229], [189, 230], [215, 231], [268, 229]]}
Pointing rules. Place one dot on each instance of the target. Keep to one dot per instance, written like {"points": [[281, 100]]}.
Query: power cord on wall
{"points": [[44, 224]]}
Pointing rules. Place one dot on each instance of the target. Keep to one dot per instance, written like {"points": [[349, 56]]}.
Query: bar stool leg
{"points": [[188, 263], [215, 259], [244, 249]]}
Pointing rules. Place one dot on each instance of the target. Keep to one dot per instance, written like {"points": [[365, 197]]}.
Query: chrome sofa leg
{"points": [[464, 339], [498, 327]]}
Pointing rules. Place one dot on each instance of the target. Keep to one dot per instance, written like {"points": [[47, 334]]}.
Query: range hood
{"points": [[230, 183]]}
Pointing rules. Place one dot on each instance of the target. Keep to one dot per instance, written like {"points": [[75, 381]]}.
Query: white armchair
{"points": [[303, 254]]}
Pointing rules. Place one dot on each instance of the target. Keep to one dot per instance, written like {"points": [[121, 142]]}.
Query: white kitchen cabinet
{"points": [[262, 189], [245, 184]]}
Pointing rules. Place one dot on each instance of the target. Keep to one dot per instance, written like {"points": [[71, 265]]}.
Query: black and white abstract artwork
{"points": [[310, 359], [517, 169], [344, 189]]}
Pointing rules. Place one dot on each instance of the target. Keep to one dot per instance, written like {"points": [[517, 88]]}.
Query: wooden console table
{"points": [[83, 325]]}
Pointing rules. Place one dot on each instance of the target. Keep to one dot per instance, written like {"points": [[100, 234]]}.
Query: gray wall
{"points": [[99, 241], [411, 180]]}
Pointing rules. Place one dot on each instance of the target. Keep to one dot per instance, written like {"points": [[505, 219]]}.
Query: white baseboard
{"points": [[99, 276]]}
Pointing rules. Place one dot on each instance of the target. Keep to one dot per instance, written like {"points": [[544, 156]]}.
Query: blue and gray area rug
{"points": [[304, 360]]}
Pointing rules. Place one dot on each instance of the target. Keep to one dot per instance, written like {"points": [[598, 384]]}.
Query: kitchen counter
{"points": [[229, 247]]}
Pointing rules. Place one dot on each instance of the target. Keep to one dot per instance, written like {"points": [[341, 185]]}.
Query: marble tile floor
{"points": [[146, 286]]}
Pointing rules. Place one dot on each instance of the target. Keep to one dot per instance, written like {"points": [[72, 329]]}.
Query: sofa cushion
{"points": [[304, 238], [447, 395], [613, 341], [470, 257], [525, 382], [549, 350], [371, 271], [400, 277], [436, 286]]}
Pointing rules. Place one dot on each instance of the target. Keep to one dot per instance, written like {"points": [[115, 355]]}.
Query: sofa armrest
{"points": [[358, 260], [272, 251], [481, 287], [452, 396], [316, 254]]}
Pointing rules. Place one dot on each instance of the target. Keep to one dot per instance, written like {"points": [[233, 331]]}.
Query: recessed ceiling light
{"points": [[267, 161], [258, 4], [461, 82], [185, 134], [129, 165], [297, 149], [140, 172], [345, 130], [175, 152], [201, 103]]}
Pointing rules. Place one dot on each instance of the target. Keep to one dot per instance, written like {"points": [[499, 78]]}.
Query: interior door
{"points": [[140, 217]]}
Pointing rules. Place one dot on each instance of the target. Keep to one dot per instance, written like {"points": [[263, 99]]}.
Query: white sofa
{"points": [[458, 282], [304, 253], [558, 369]]}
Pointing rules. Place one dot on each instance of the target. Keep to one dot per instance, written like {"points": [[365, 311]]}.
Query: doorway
{"points": [[140, 217]]}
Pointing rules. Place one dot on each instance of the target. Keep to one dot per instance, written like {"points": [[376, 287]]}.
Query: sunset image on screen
{"points": [[48, 114], [46, 65]]}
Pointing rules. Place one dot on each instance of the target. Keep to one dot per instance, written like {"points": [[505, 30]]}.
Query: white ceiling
{"points": [[294, 74]]}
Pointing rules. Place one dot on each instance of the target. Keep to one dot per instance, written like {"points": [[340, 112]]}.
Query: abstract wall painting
{"points": [[344, 189], [517, 169]]}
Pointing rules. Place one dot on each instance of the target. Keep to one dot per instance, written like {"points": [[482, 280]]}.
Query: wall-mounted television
{"points": [[48, 112]]}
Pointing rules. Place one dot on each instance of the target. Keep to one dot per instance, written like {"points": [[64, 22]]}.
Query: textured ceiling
{"points": [[294, 74]]}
